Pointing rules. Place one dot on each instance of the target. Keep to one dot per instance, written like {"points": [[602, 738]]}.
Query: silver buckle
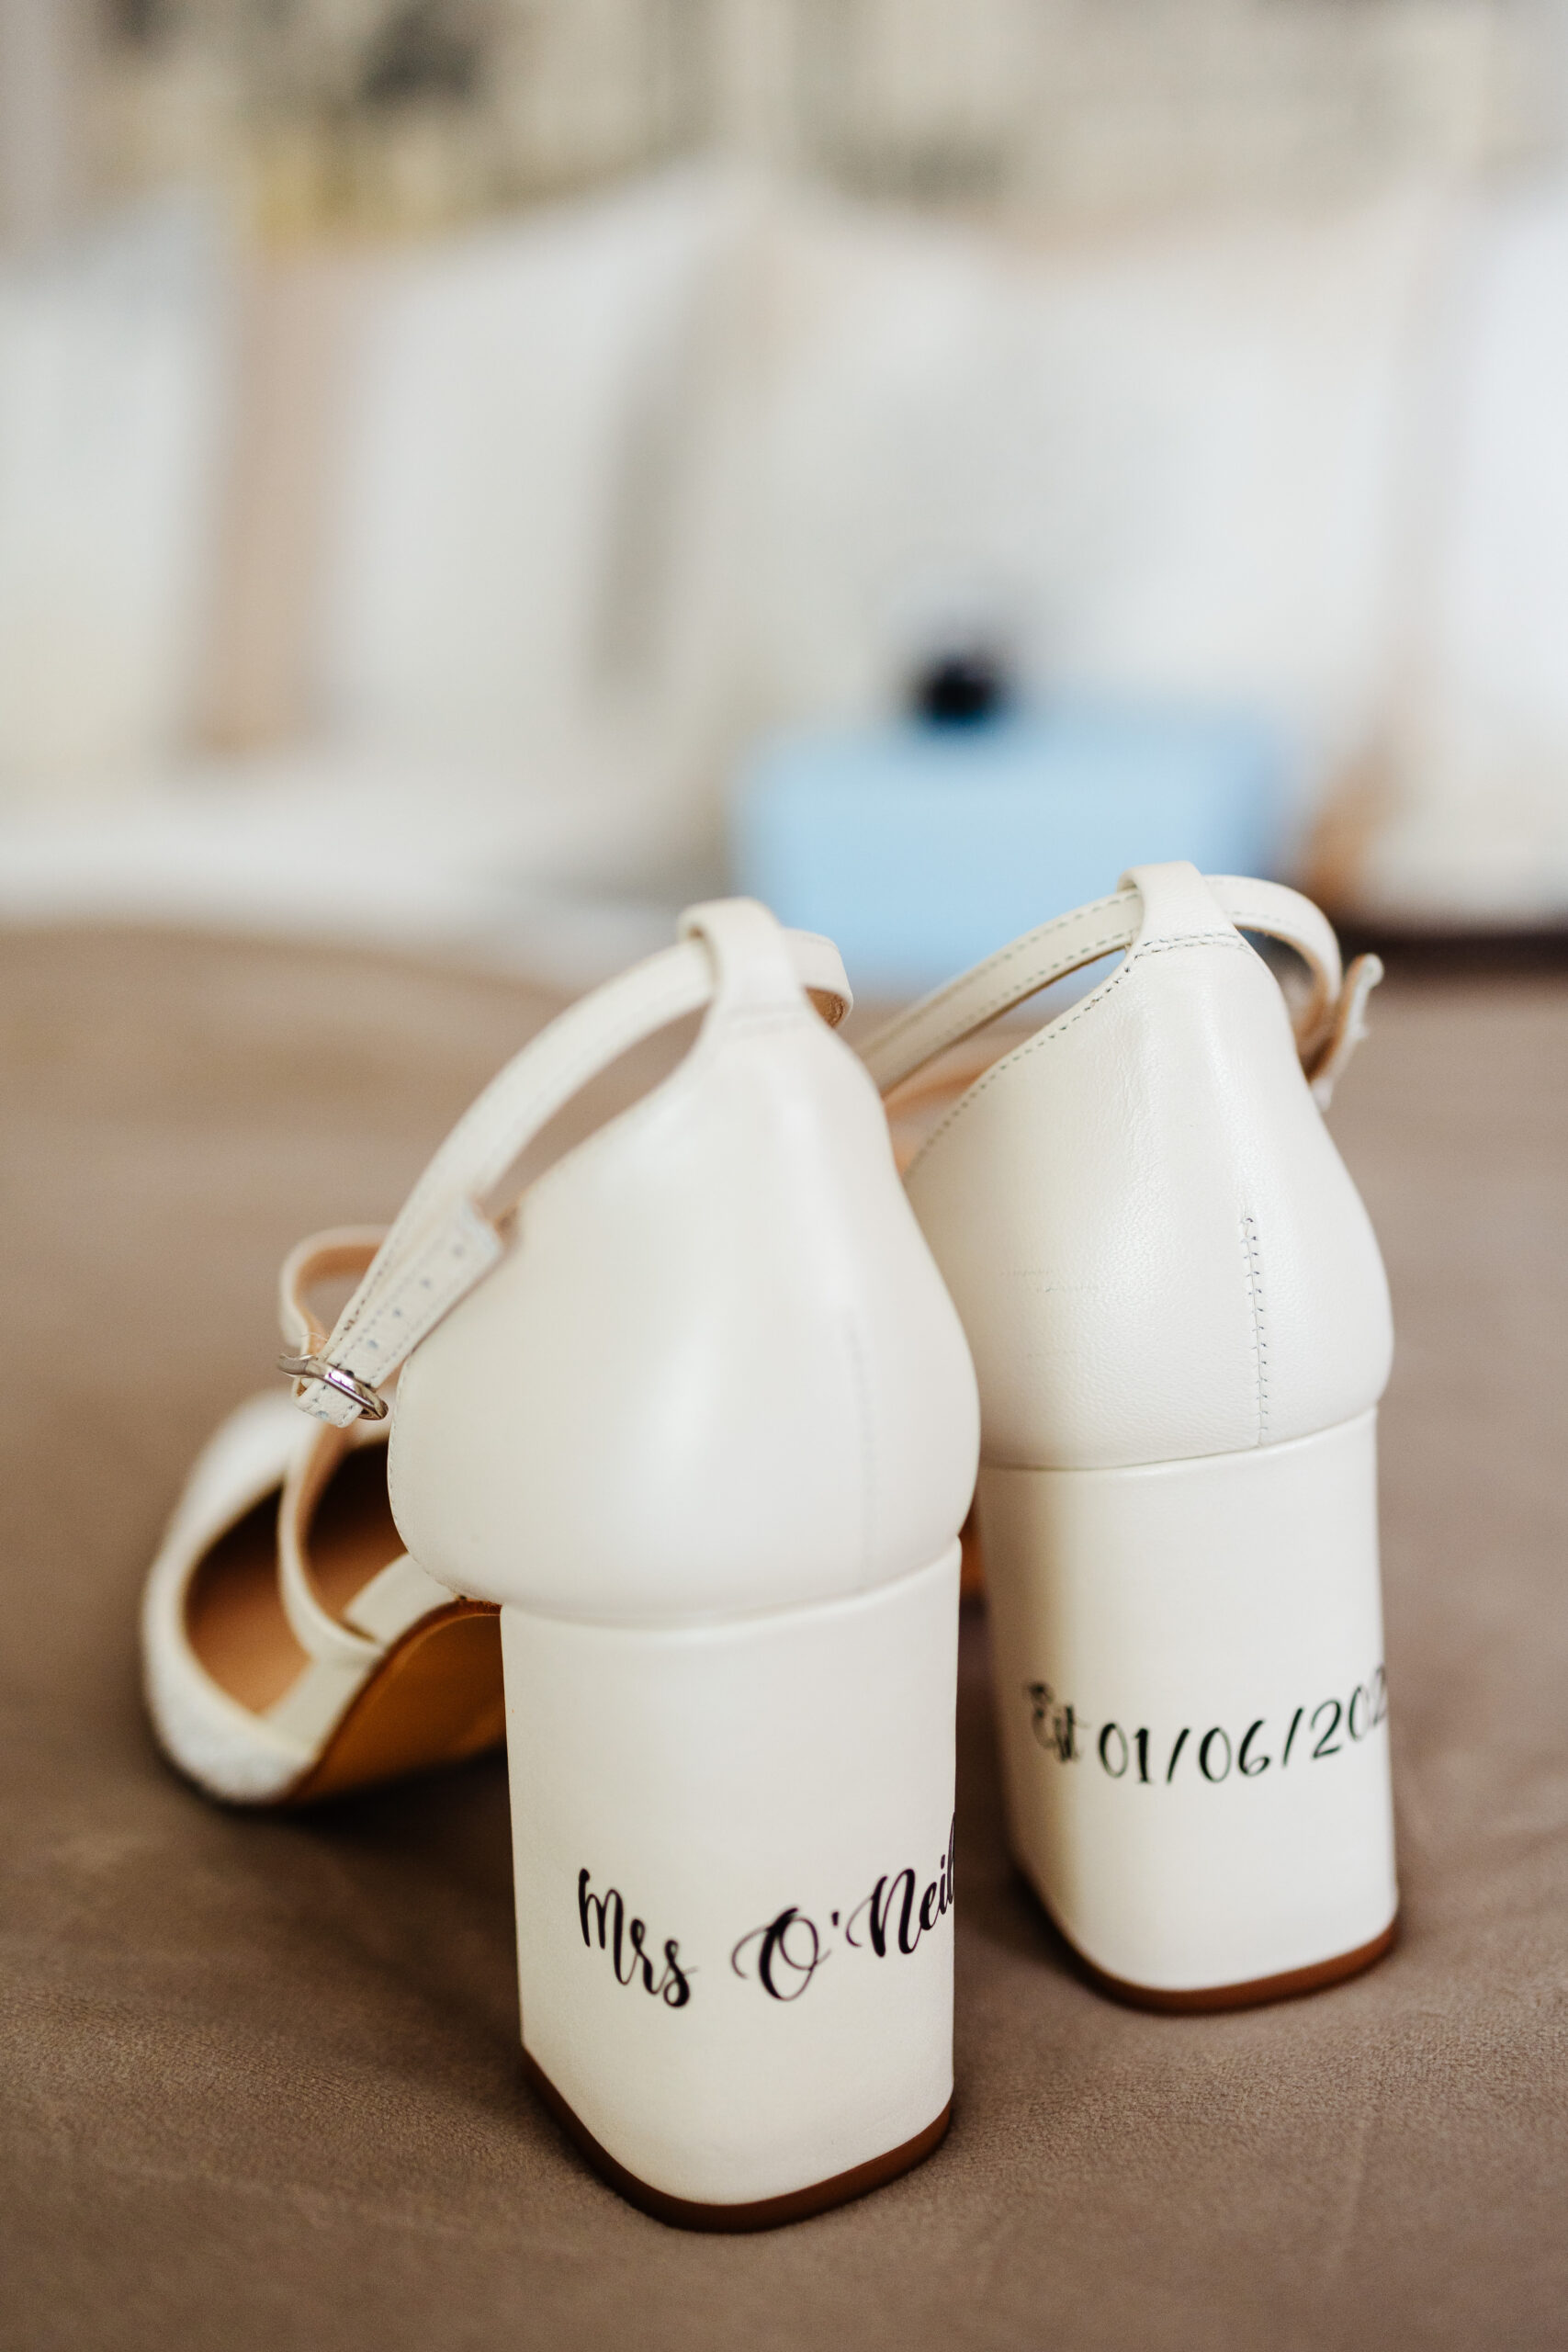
{"points": [[332, 1375]]}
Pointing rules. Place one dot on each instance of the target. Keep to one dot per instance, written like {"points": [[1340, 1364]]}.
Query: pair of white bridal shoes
{"points": [[681, 1445]]}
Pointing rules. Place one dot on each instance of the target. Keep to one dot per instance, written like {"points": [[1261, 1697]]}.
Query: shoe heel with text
{"points": [[1193, 1705], [733, 1849]]}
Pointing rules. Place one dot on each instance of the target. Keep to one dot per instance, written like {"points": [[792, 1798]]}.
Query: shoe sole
{"points": [[434, 1699], [1290, 1985], [765, 2212]]}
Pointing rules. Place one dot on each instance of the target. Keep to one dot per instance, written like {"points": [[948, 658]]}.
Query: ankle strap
{"points": [[445, 1239], [1327, 1028]]}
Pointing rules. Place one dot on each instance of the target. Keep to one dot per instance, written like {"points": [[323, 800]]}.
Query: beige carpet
{"points": [[261, 2080]]}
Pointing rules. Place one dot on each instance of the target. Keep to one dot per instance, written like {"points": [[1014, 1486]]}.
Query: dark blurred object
{"points": [[426, 50], [961, 689]]}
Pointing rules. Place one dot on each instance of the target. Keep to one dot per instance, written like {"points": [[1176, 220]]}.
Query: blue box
{"points": [[923, 847]]}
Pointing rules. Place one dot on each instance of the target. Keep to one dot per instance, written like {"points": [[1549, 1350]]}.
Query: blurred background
{"points": [[477, 474]]}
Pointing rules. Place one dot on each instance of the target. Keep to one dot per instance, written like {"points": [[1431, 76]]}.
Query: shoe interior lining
{"points": [[234, 1616]]}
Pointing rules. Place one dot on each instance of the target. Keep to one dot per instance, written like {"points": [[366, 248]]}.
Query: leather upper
{"points": [[715, 1370], [1153, 1245]]}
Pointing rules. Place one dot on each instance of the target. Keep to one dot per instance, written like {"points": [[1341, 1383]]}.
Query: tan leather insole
{"points": [[234, 1616], [438, 1695], [352, 1535]]}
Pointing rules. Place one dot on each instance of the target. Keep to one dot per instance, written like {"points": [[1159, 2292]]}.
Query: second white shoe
{"points": [[1180, 1327]]}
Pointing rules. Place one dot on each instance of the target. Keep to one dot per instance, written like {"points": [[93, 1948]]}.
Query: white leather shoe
{"points": [[697, 1414], [291, 1649], [1180, 1328]]}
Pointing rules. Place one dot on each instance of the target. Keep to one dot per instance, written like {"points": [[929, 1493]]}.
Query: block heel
{"points": [[734, 1873], [1192, 1708]]}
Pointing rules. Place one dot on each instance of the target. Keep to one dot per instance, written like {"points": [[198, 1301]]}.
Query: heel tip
{"points": [[1291, 1984], [765, 2212]]}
